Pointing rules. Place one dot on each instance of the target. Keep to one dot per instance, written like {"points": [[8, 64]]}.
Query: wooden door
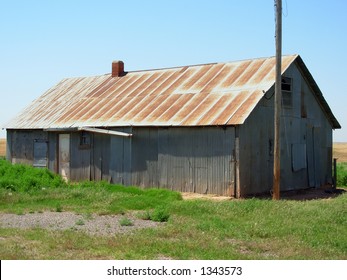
{"points": [[64, 156]]}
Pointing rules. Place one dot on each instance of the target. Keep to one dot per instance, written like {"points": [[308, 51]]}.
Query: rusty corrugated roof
{"points": [[200, 95]]}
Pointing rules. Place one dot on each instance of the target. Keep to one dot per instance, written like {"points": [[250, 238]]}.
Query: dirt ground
{"points": [[2, 147], [340, 152], [91, 224]]}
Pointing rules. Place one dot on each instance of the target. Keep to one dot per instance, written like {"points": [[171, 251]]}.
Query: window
{"points": [[84, 140], [286, 87]]}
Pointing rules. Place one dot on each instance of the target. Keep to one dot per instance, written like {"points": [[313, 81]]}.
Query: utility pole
{"points": [[277, 105]]}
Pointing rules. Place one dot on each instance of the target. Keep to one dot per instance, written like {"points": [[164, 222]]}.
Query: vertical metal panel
{"points": [[64, 156], [310, 156], [101, 156], [120, 158], [144, 157], [298, 156], [22, 145], [256, 158], [196, 159], [317, 156], [9, 134], [200, 154], [80, 159], [52, 152], [176, 158], [117, 160], [40, 153], [220, 161]]}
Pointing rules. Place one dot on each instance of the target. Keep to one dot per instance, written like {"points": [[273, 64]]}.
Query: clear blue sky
{"points": [[45, 41]]}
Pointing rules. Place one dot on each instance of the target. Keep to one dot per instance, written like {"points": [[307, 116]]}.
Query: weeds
{"points": [[58, 208], [144, 215], [80, 222], [341, 169], [125, 222]]}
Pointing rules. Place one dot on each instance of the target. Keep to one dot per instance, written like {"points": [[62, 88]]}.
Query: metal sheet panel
{"points": [[196, 159], [202, 95], [40, 153]]}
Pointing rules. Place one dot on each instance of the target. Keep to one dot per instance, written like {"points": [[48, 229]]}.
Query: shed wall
{"points": [[21, 147], [306, 142], [195, 159]]}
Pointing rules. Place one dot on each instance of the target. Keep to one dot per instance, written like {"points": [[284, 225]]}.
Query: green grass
{"points": [[195, 229], [341, 174]]}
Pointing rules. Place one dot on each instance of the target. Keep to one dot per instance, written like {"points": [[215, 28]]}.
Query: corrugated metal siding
{"points": [[52, 152], [21, 147], [120, 158], [101, 157], [79, 159], [203, 95], [196, 159]]}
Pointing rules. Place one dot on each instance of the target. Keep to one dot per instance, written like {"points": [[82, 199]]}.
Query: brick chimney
{"points": [[117, 68]]}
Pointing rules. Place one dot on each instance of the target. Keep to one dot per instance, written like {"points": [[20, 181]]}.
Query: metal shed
{"points": [[203, 128]]}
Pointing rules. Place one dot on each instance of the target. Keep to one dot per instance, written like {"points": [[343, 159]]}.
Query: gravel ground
{"points": [[91, 224]]}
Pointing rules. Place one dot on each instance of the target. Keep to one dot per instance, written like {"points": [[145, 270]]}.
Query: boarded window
{"points": [[40, 153], [298, 157], [286, 87]]}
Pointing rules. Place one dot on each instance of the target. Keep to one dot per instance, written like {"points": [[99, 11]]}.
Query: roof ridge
{"points": [[208, 63]]}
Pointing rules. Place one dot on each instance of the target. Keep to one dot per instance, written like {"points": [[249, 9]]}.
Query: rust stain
{"points": [[161, 108], [264, 71], [250, 72], [173, 75], [214, 83], [235, 100], [135, 105], [155, 100], [201, 71], [210, 94], [233, 76], [189, 107], [246, 107], [182, 100], [141, 84], [217, 108], [207, 77], [200, 110], [181, 78]]}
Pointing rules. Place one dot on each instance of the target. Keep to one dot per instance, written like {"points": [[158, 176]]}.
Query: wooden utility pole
{"points": [[277, 105]]}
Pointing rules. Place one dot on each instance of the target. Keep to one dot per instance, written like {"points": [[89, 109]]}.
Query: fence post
{"points": [[335, 173]]}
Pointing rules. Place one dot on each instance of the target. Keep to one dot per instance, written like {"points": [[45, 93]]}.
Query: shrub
{"points": [[160, 214]]}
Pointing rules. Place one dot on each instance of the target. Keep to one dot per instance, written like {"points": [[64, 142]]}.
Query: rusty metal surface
{"points": [[201, 95]]}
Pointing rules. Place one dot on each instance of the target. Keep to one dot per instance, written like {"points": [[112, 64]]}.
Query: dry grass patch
{"points": [[340, 151], [2, 147]]}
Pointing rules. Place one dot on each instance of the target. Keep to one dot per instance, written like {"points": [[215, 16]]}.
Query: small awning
{"points": [[105, 131]]}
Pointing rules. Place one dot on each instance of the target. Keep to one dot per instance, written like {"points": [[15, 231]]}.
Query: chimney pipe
{"points": [[117, 68]]}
